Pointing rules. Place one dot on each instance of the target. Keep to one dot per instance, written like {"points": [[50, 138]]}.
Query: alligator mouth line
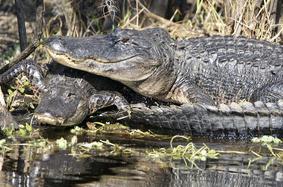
{"points": [[67, 58]]}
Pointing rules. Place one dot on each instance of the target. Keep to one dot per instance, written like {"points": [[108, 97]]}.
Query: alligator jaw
{"points": [[64, 58], [107, 68], [47, 118]]}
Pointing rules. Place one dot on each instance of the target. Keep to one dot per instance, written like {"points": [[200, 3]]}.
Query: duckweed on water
{"points": [[186, 151], [62, 143], [77, 130], [189, 153], [92, 145], [117, 129], [268, 142], [102, 147], [24, 131]]}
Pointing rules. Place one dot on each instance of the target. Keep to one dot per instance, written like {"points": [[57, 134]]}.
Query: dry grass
{"points": [[251, 18], [216, 17]]}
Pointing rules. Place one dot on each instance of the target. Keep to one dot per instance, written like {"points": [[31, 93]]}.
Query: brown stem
{"points": [[21, 24]]}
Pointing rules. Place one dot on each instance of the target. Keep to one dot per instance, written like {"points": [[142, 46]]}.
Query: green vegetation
{"points": [[62, 143], [268, 142], [17, 92], [189, 153], [24, 131], [97, 128], [180, 148]]}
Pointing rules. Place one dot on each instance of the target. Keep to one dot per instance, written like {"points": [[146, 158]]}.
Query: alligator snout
{"points": [[55, 43], [47, 118]]}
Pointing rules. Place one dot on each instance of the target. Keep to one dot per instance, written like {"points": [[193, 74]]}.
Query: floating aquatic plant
{"points": [[189, 152]]}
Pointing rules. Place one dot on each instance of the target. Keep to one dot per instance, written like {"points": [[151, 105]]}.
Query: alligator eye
{"points": [[124, 40]]}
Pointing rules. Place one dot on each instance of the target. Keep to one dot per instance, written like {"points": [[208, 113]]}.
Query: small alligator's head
{"points": [[65, 102], [123, 55]]}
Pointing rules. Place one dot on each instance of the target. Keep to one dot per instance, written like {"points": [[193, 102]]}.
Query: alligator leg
{"points": [[102, 99], [184, 92], [30, 68], [268, 93]]}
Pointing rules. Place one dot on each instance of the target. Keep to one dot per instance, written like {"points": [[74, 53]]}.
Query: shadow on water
{"points": [[25, 166]]}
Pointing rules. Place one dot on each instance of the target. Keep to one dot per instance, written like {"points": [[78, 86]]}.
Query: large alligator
{"points": [[204, 70], [69, 97]]}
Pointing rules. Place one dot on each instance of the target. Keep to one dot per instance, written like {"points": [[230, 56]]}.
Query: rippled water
{"points": [[25, 166]]}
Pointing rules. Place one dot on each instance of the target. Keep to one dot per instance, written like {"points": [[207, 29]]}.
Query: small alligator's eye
{"points": [[70, 94], [124, 40], [52, 92]]}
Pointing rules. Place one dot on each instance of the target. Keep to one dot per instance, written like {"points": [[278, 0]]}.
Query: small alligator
{"points": [[62, 106], [207, 70], [68, 98]]}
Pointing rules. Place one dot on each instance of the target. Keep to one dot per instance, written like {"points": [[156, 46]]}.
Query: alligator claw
{"points": [[121, 114], [127, 109]]}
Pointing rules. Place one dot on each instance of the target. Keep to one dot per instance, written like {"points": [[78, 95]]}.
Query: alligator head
{"points": [[64, 103], [135, 58]]}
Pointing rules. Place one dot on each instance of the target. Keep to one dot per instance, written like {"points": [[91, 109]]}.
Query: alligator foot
{"points": [[102, 99], [30, 68]]}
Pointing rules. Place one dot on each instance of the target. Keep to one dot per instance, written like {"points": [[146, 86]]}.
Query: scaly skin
{"points": [[239, 120], [61, 106], [66, 97], [204, 70], [69, 98]]}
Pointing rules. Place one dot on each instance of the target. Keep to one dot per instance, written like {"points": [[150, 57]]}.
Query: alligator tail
{"points": [[235, 120], [30, 68]]}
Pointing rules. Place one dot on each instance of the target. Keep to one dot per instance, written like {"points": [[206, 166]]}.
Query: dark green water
{"points": [[26, 166]]}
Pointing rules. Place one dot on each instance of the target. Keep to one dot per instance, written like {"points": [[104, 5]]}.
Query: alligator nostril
{"points": [[70, 94], [46, 114], [57, 46]]}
